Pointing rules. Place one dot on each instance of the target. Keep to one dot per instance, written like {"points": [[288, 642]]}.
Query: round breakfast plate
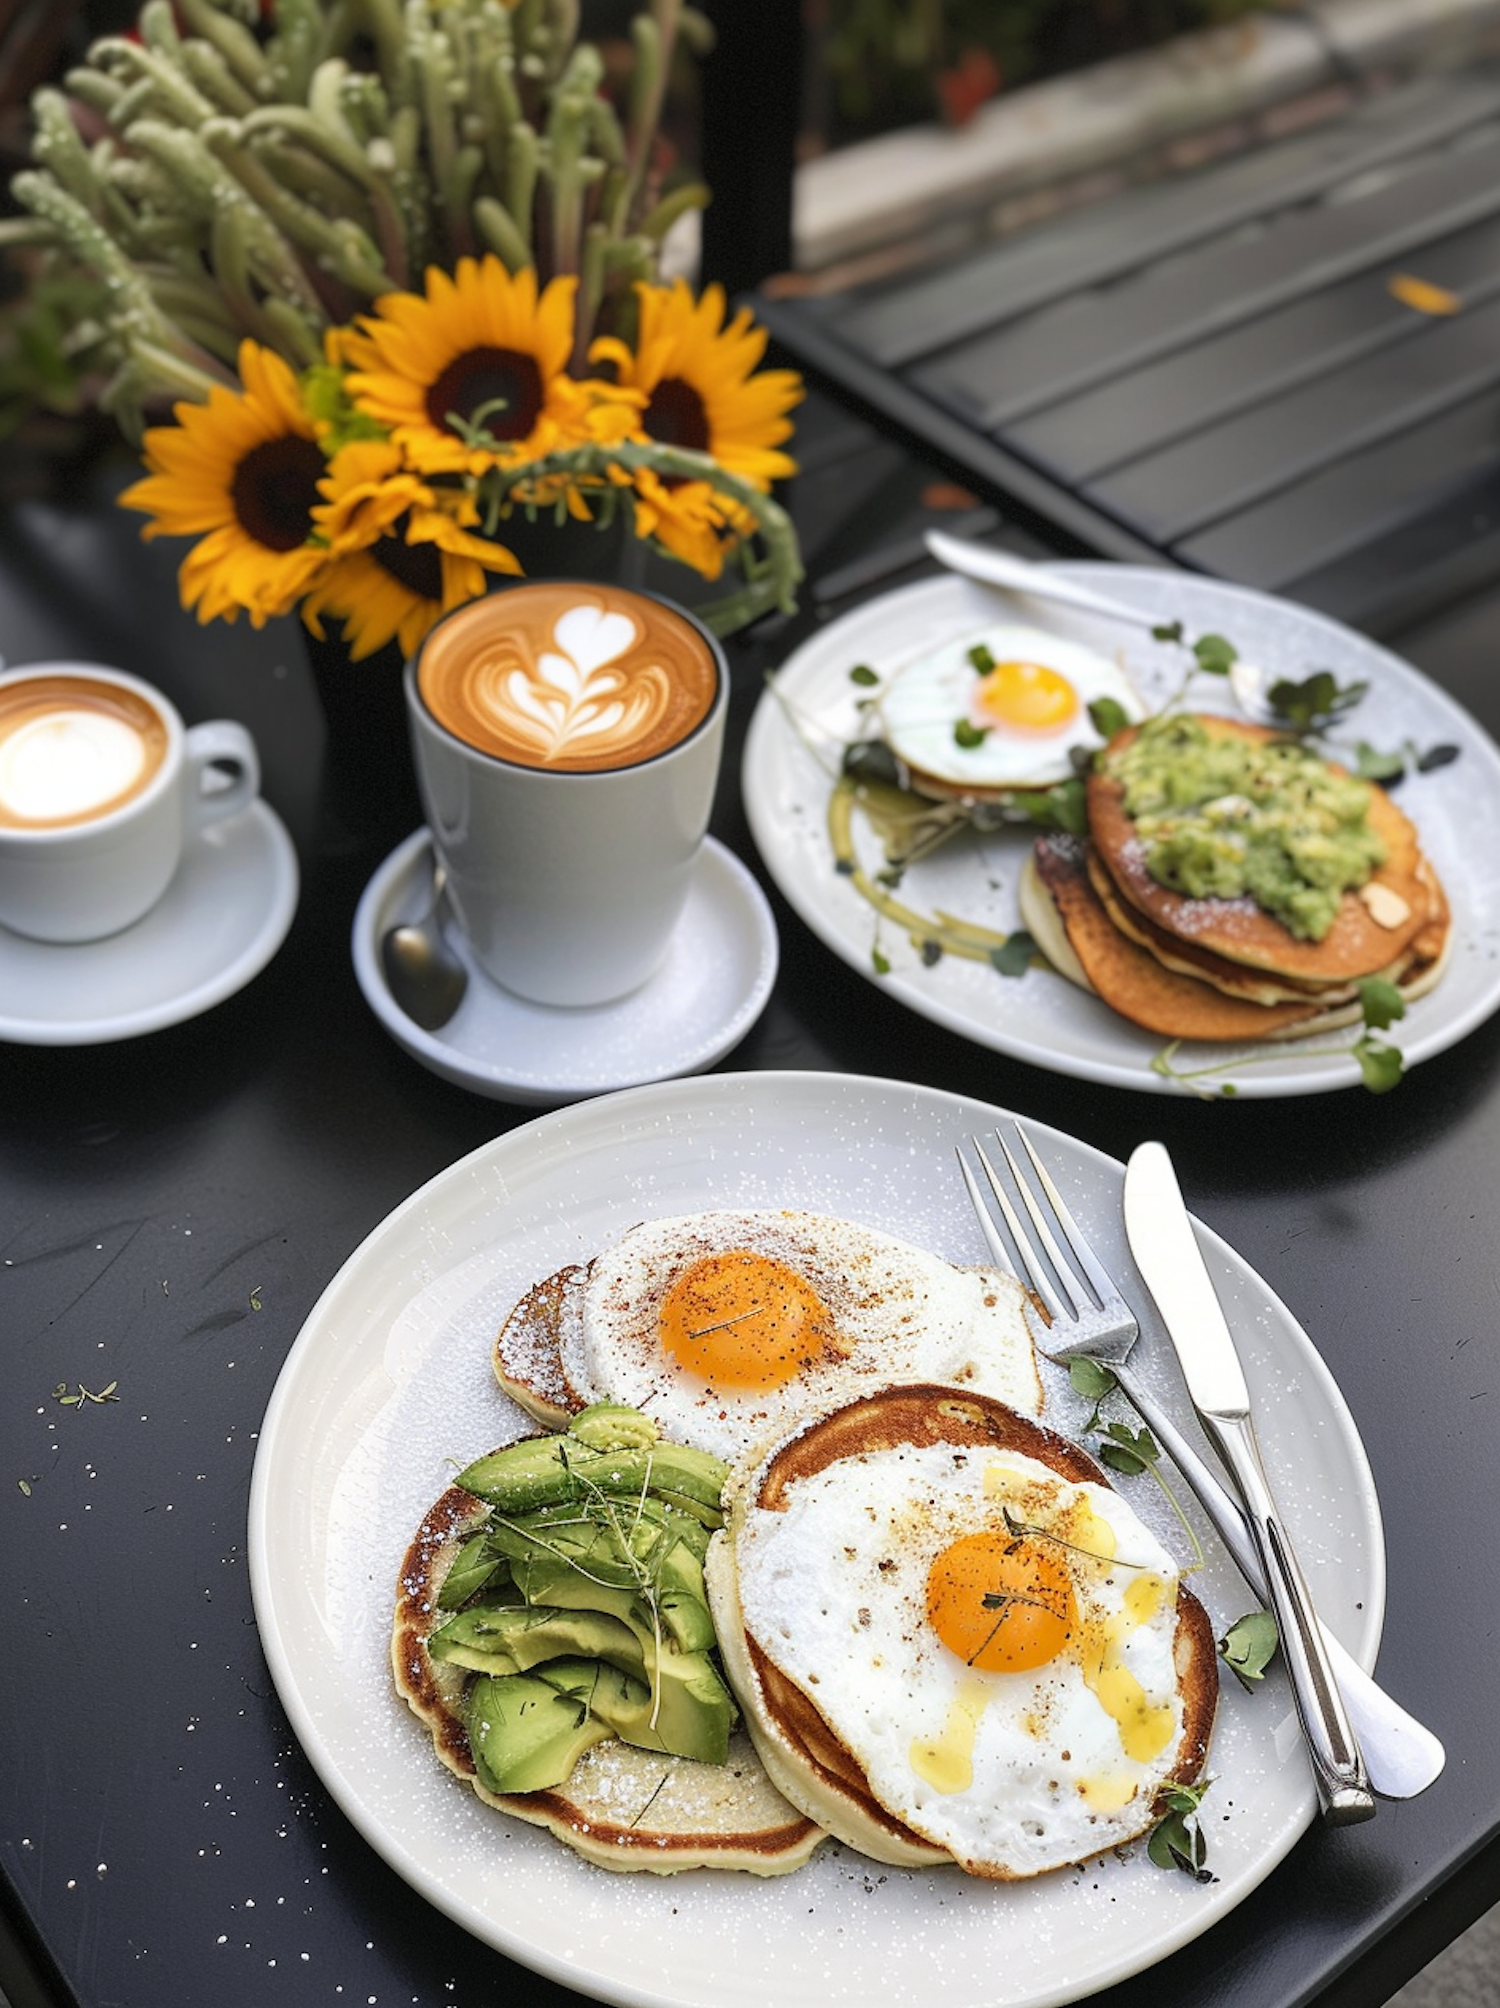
{"points": [[389, 1383], [801, 725]]}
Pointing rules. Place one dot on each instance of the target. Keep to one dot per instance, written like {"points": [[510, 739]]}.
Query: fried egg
{"points": [[1009, 725], [727, 1327], [994, 1643]]}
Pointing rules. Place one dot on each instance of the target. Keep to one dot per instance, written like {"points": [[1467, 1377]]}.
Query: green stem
{"points": [[498, 229], [233, 41], [774, 585]]}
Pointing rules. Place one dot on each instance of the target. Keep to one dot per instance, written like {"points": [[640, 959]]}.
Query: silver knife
{"points": [[1019, 575], [1167, 1254]]}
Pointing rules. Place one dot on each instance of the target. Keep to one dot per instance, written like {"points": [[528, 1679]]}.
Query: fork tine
{"points": [[1106, 1290], [1075, 1284], [993, 1239], [1035, 1278]]}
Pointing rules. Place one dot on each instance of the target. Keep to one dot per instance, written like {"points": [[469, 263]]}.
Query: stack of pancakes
{"points": [[1224, 969]]}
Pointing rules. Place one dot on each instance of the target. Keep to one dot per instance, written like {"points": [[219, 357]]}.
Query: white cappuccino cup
{"points": [[101, 785], [567, 738]]}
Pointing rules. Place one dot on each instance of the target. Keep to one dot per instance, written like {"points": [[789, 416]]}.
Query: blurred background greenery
{"points": [[868, 66]]}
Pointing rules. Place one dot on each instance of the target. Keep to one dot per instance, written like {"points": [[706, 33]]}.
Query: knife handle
{"points": [[1402, 1756], [1338, 1768]]}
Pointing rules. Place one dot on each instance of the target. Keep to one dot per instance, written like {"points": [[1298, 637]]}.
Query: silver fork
{"points": [[1090, 1319]]}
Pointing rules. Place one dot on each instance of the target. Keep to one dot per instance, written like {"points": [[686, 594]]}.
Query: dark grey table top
{"points": [[171, 1207]]}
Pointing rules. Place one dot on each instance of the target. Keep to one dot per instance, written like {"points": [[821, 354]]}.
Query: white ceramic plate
{"points": [[712, 986], [218, 923], [389, 1382], [1041, 1017]]}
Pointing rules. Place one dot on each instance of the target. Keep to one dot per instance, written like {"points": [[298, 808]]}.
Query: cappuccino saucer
{"points": [[218, 923], [701, 1002]]}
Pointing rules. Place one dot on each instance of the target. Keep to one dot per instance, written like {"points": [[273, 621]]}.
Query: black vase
{"points": [[369, 792]]}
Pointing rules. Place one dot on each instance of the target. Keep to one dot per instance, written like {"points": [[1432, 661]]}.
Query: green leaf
{"points": [[1123, 1461], [1177, 1843], [982, 660], [1108, 716], [1250, 1645], [1063, 807], [1091, 1380], [969, 736], [863, 675], [1215, 654], [1380, 1065], [1380, 1002], [1128, 1450], [871, 760], [1314, 702], [1168, 631], [881, 961], [1013, 957], [1372, 765]]}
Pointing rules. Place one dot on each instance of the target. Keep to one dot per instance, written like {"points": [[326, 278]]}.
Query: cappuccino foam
{"points": [[569, 677], [73, 749]]}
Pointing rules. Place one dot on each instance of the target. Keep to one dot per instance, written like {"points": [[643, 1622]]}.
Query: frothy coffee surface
{"points": [[574, 678], [72, 749]]}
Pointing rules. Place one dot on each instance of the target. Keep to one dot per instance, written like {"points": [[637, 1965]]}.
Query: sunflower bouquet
{"points": [[394, 267]]}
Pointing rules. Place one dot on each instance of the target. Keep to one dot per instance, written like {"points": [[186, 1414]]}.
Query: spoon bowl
{"points": [[421, 971]]}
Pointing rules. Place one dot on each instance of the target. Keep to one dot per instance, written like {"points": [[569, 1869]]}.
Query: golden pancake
{"points": [[621, 1807], [1235, 979], [802, 1725], [1373, 926], [1128, 977]]}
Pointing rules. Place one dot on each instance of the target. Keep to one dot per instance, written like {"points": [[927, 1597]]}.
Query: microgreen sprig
{"points": [[1249, 1646], [1380, 1061], [1177, 1840], [1126, 1450]]}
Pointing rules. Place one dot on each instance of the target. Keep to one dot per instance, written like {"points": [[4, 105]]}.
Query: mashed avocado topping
{"points": [[1223, 817]]}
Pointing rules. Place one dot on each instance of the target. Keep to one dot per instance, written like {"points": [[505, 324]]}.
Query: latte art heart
{"points": [[577, 678]]}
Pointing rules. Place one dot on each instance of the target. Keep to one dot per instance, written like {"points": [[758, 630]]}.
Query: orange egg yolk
{"points": [[1001, 1603], [1027, 697], [743, 1320]]}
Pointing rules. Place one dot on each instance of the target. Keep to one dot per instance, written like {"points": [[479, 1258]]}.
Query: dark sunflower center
{"points": [[418, 567], [675, 416], [497, 389], [275, 490]]}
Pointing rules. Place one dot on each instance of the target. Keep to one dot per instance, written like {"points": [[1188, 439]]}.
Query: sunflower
{"points": [[698, 381], [481, 350], [401, 551], [241, 474], [688, 518]]}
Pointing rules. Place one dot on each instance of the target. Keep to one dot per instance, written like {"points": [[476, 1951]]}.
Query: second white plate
{"points": [[1040, 1017], [389, 1383]]}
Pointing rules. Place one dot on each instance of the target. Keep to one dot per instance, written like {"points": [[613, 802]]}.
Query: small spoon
{"points": [[421, 971]]}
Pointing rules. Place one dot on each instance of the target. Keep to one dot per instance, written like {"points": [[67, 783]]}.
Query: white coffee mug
{"points": [[101, 785], [568, 885]]}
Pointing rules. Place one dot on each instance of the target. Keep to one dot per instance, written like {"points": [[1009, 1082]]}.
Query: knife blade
{"points": [[993, 567], [1167, 1254]]}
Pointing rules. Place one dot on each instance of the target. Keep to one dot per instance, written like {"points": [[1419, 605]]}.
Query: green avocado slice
{"points": [[525, 1734], [513, 1638]]}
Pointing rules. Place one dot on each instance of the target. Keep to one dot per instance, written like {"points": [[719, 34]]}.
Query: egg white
{"points": [[902, 1315], [928, 698], [832, 1587]]}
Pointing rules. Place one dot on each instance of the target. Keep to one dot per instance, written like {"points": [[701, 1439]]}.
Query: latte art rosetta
{"points": [[576, 678], [575, 697]]}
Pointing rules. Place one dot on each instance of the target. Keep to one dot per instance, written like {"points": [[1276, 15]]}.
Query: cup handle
{"points": [[218, 744]]}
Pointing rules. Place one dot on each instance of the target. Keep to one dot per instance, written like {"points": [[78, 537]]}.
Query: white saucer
{"points": [[703, 1000], [218, 924]]}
